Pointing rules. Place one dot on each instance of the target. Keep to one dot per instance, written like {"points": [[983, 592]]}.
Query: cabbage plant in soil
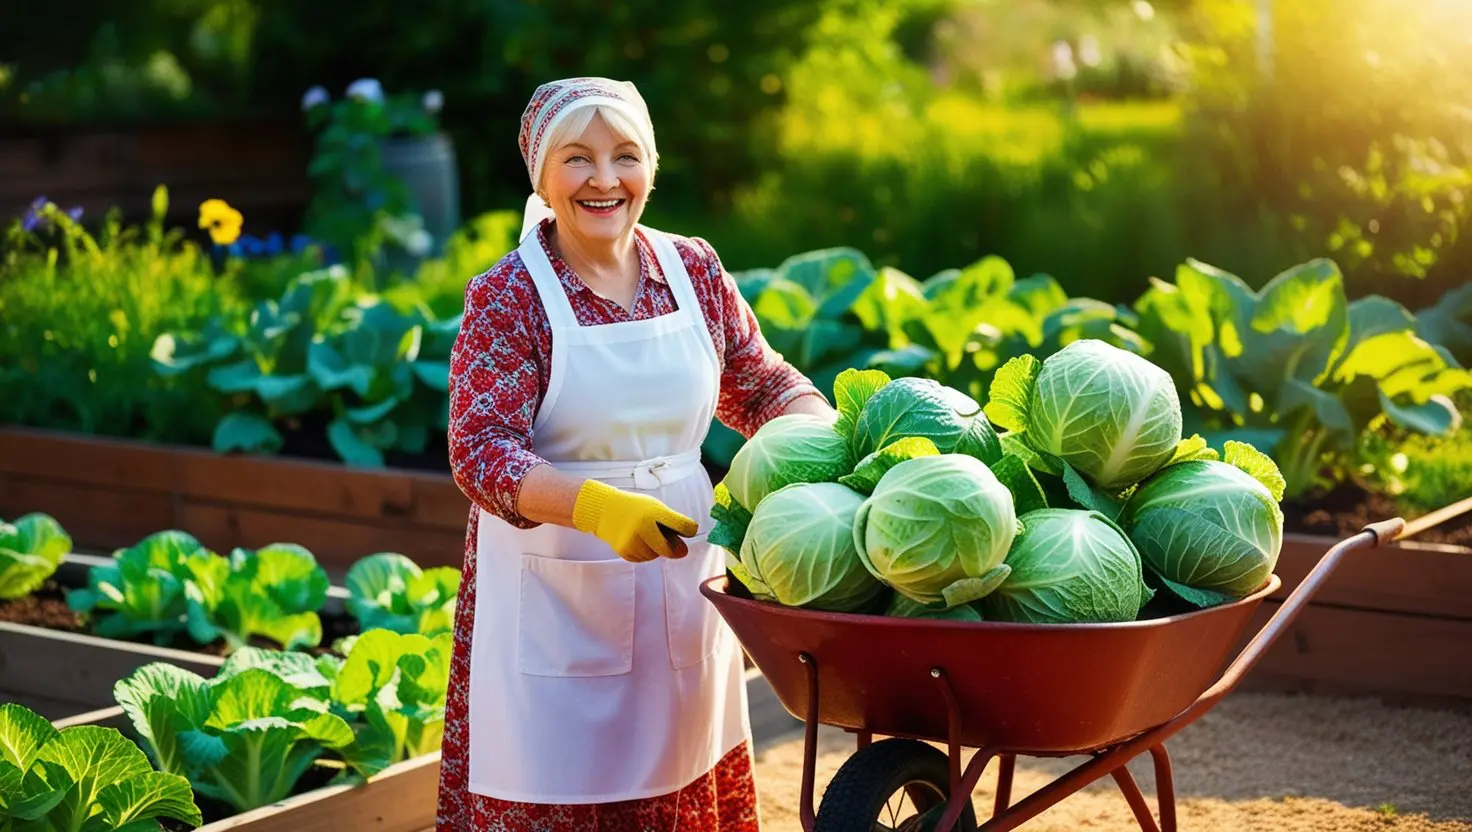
{"points": [[84, 777], [31, 549], [799, 550]]}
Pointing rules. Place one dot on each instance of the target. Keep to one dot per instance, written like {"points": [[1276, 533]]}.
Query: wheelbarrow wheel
{"points": [[893, 784]]}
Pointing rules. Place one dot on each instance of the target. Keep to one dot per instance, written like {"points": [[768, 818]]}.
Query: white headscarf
{"points": [[553, 102]]}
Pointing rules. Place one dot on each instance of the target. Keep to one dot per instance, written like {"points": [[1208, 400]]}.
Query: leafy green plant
{"points": [[84, 778], [274, 591], [31, 549], [146, 590], [244, 737], [358, 204], [169, 585], [392, 686], [380, 375], [1449, 323], [389, 591], [830, 310], [1296, 367]]}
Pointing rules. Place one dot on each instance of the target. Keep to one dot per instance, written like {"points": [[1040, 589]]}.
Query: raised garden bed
{"points": [[50, 664], [110, 493]]}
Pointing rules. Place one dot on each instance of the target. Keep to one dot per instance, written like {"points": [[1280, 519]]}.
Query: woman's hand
{"points": [[637, 526]]}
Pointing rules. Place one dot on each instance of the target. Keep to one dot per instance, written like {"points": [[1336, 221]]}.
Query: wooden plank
{"points": [[401, 798], [299, 485], [61, 456], [337, 542], [1369, 652], [438, 501], [311, 486], [79, 669], [1410, 577], [96, 516]]}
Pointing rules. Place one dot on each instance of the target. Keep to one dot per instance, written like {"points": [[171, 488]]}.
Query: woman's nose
{"points": [[604, 176]]}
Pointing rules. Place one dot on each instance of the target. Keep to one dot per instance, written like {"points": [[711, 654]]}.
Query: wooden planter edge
{"points": [[110, 492]]}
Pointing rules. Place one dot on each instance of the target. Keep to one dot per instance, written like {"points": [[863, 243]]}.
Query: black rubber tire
{"points": [[862, 787]]}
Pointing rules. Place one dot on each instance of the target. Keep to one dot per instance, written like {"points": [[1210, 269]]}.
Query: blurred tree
{"points": [[711, 71]]}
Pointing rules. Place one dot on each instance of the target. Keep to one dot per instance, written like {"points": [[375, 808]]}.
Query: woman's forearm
{"points": [[812, 404], [548, 496]]}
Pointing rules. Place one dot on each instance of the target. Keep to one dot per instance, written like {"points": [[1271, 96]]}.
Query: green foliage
{"points": [[85, 778], [169, 585], [357, 205], [1295, 367], [31, 549], [247, 735], [392, 687], [380, 372], [1420, 473], [78, 317], [1363, 176], [389, 591]]}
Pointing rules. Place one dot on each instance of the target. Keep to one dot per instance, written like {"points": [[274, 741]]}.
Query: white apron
{"points": [[593, 679]]}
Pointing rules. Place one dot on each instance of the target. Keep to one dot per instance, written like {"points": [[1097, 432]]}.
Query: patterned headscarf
{"points": [[554, 101]]}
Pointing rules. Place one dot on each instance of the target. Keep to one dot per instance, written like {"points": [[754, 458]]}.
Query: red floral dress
{"points": [[499, 374]]}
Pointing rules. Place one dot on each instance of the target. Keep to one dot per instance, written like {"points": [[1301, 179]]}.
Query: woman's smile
{"points": [[601, 207]]}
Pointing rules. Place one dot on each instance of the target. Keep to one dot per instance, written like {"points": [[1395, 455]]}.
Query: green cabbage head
{"points": [[1069, 566], [936, 529], [799, 550], [795, 448], [922, 407], [902, 607], [1111, 415], [1210, 530]]}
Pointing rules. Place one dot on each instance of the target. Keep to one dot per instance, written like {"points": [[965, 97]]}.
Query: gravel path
{"points": [[1255, 762]]}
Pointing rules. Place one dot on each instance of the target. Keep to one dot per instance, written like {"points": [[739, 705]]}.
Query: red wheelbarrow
{"points": [[1107, 691]]}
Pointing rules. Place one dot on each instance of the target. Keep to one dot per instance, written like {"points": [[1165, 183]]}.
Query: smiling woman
{"points": [[592, 687]]}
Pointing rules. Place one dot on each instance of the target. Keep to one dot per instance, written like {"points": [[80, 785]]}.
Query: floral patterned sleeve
{"points": [[757, 383], [495, 389]]}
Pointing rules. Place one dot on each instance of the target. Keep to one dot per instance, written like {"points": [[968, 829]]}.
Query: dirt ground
{"points": [[1255, 762]]}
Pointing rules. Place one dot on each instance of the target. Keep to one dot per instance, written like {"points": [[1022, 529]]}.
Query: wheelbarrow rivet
{"points": [[935, 672]]}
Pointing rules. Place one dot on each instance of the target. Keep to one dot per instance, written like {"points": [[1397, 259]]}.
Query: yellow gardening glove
{"points": [[637, 526]]}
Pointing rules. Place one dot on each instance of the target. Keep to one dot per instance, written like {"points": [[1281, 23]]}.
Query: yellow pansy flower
{"points": [[223, 221]]}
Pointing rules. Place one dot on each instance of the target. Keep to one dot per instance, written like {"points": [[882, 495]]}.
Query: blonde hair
{"points": [[570, 126]]}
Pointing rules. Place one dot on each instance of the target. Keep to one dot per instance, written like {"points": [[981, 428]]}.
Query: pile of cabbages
{"points": [[1087, 503]]}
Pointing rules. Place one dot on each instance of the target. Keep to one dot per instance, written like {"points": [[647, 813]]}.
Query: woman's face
{"points": [[597, 184]]}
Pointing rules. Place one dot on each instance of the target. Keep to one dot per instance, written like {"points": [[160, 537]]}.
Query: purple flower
{"points": [[35, 219], [32, 218]]}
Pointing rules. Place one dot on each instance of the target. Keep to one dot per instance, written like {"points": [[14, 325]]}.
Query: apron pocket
{"points": [[695, 628], [576, 617]]}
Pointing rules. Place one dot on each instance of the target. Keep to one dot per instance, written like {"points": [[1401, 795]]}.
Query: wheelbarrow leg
{"points": [[1004, 784], [1136, 800], [809, 746], [1165, 788]]}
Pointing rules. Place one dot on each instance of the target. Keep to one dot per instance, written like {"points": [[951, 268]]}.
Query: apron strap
{"points": [[549, 287], [673, 267]]}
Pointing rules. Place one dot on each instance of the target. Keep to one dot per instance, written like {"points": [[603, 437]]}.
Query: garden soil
{"points": [[1287, 763]]}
